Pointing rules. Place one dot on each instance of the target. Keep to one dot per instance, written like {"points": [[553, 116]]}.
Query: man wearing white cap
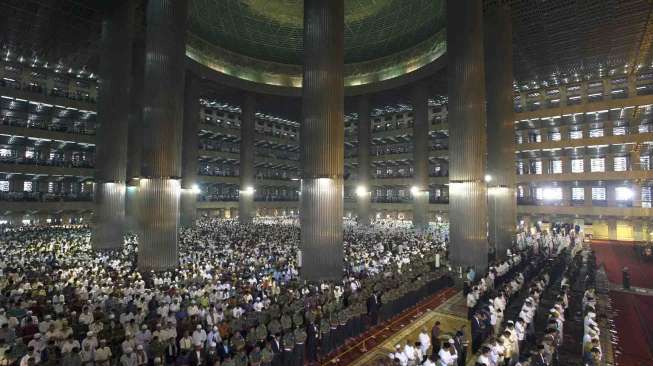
{"points": [[399, 355], [128, 358], [446, 357], [425, 341], [199, 335]]}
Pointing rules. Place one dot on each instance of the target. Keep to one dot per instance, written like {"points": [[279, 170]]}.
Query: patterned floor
{"points": [[377, 343]]}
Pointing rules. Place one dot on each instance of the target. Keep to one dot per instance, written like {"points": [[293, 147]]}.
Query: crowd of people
{"points": [[234, 299]]}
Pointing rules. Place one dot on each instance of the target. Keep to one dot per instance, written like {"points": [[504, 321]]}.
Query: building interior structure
{"points": [[302, 159]]}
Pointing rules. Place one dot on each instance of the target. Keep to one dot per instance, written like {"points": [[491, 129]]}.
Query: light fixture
{"points": [[195, 189], [361, 191], [488, 178], [414, 190], [249, 190], [624, 193]]}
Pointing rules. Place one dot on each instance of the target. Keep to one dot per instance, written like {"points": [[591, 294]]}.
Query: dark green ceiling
{"points": [[271, 30]]}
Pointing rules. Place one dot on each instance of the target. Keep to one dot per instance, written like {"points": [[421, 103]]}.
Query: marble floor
{"points": [[448, 308]]}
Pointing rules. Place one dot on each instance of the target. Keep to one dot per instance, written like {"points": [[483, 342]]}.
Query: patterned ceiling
{"points": [[271, 30]]}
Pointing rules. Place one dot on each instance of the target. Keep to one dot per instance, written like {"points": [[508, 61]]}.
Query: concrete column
{"points": [[609, 162], [607, 89], [189, 186], [635, 163], [612, 229], [502, 204], [632, 85], [563, 96], [135, 136], [638, 230], [246, 209], [467, 135], [162, 133], [583, 91], [588, 195], [363, 191], [610, 195], [566, 195], [322, 141], [113, 114], [636, 186], [420, 188]]}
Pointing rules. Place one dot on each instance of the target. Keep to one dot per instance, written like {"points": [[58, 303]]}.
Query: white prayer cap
{"points": [[37, 335], [199, 327], [451, 341], [213, 344], [139, 347]]}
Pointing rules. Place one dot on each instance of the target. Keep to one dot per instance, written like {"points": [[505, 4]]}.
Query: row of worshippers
{"points": [[479, 293], [592, 354], [427, 351], [506, 347], [497, 351], [522, 327], [234, 298]]}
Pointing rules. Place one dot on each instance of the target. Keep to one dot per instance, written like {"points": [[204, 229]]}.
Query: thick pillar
{"points": [[612, 229], [189, 186], [322, 141], [246, 209], [163, 109], [364, 190], [113, 115], [467, 135], [502, 203], [135, 136], [420, 188]]}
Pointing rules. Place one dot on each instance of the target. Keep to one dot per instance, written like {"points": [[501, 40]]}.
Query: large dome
{"points": [[242, 37]]}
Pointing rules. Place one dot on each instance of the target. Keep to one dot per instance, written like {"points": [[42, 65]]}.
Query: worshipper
{"points": [[484, 358], [244, 271], [435, 337], [447, 358], [425, 342]]}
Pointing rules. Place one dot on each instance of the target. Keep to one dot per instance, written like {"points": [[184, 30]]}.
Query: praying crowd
{"points": [[234, 299]]}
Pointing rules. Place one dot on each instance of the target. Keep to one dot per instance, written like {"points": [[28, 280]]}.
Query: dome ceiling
{"points": [[271, 30]]}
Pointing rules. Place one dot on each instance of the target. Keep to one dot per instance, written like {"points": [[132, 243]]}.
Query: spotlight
{"points": [[361, 191], [488, 178]]}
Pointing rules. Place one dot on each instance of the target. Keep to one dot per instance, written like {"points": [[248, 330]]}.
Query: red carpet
{"points": [[634, 323], [355, 348], [615, 256]]}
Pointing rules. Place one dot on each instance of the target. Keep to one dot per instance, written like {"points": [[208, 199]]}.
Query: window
{"points": [[538, 167], [577, 165], [4, 186], [646, 197], [520, 191], [597, 165], [548, 193], [623, 193], [597, 132], [644, 128], [555, 136], [520, 168], [29, 153], [556, 167], [577, 193], [620, 164], [5, 152], [645, 162], [619, 131], [598, 193], [575, 135], [27, 186]]}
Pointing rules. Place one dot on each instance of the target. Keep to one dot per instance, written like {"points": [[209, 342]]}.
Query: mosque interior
{"points": [[310, 182]]}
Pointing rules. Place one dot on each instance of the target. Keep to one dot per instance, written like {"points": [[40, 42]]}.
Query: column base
{"points": [[109, 217], [131, 209], [158, 222], [502, 219], [246, 208], [420, 211], [468, 226], [188, 208], [321, 229], [364, 206]]}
